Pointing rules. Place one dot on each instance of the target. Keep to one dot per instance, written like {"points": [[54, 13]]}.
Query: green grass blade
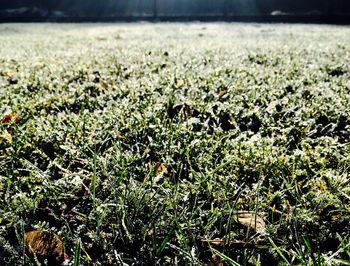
{"points": [[278, 251], [226, 258], [77, 253]]}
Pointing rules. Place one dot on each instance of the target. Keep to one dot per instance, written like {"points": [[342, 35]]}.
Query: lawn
{"points": [[175, 144]]}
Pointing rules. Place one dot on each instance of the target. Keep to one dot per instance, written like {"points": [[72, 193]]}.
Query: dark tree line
{"points": [[100, 8]]}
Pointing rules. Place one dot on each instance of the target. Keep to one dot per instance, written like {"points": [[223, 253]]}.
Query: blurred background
{"points": [[333, 11]]}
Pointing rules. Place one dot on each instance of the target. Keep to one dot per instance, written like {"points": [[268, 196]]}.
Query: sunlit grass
{"points": [[145, 143]]}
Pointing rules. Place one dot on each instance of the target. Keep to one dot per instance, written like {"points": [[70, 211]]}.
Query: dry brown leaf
{"points": [[45, 245], [217, 260], [10, 118], [7, 118], [160, 171], [17, 119], [160, 168], [252, 221]]}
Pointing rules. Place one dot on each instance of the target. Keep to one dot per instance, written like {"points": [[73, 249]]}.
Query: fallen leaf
{"points": [[180, 83], [5, 137], [222, 95], [17, 119], [8, 74], [45, 245], [7, 118], [160, 168], [251, 221], [217, 260], [10, 118]]}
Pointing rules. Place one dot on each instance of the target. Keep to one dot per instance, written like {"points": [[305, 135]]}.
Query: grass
{"points": [[139, 144]]}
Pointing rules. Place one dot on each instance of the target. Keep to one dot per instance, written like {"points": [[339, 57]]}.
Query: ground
{"points": [[159, 144]]}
